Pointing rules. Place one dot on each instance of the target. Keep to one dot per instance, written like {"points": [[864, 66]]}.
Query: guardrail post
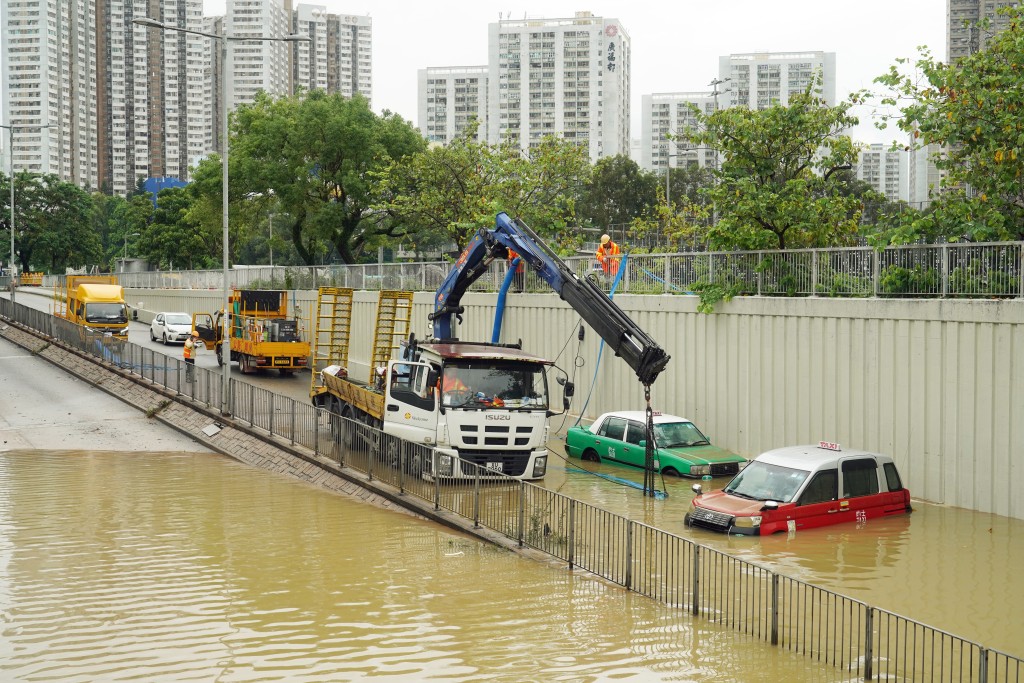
{"points": [[876, 268], [944, 269], [760, 271], [1020, 273], [316, 431], [522, 512], [437, 480], [572, 532], [814, 272], [252, 406], [476, 499], [983, 665], [667, 274], [629, 556], [271, 421], [869, 643], [292, 430], [775, 608], [695, 609]]}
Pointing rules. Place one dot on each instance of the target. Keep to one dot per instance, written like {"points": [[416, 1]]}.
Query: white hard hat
{"points": [[605, 239]]}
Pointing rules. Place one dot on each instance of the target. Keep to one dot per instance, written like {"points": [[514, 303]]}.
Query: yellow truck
{"points": [[262, 335], [96, 303], [31, 280]]}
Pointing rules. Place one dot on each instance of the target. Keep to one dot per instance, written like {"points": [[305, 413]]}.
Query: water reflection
{"points": [[176, 567]]}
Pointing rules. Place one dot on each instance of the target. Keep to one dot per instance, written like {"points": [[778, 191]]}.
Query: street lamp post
{"points": [[225, 93], [10, 150]]}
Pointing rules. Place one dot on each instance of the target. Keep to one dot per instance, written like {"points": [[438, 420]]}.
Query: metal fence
{"points": [[864, 641], [945, 270]]}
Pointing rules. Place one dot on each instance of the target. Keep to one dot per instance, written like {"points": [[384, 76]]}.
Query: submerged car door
{"points": [[818, 504], [632, 452], [859, 486], [610, 437]]}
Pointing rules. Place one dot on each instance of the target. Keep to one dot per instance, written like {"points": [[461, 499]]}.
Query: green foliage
{"points": [[974, 109], [896, 280], [712, 293], [618, 193], [52, 226], [175, 239], [977, 278], [313, 156], [777, 187], [447, 193]]}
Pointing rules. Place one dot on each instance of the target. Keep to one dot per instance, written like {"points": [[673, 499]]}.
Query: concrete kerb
{"points": [[269, 453]]}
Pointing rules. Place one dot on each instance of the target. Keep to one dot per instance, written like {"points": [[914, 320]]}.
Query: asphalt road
{"points": [[295, 387]]}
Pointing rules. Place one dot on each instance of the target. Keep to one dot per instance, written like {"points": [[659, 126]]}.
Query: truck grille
{"points": [[709, 519], [513, 463], [496, 436]]}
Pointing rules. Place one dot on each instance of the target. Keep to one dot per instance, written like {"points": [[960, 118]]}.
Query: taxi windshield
{"points": [[678, 435], [762, 481]]}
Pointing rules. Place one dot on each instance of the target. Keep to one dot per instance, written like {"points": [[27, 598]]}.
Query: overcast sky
{"points": [[676, 45]]}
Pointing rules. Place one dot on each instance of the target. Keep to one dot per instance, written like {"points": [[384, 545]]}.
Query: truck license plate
{"points": [[496, 466], [280, 361]]}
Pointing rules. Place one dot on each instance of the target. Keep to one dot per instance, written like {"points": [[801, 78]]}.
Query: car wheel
{"points": [[671, 472], [590, 455], [163, 338], [152, 337]]}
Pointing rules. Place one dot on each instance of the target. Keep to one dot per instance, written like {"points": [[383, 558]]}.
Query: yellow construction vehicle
{"points": [[262, 335], [96, 303]]}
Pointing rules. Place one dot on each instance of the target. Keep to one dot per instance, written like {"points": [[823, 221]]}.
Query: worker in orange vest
{"points": [[608, 256], [190, 351]]}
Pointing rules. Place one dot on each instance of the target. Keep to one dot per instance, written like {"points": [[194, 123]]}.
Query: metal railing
{"points": [[943, 270], [864, 641]]}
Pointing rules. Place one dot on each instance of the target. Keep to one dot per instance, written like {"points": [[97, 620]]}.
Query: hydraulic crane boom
{"points": [[626, 339]]}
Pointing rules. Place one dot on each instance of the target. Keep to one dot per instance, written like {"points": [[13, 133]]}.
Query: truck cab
{"points": [[477, 404]]}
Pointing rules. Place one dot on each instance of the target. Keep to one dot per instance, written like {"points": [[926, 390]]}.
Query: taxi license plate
{"points": [[496, 466], [282, 361]]}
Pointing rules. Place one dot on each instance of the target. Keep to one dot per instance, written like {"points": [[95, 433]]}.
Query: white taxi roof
{"points": [[812, 457], [640, 416]]}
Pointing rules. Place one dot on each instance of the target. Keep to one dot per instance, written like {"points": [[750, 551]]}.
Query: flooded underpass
{"points": [[178, 566]]}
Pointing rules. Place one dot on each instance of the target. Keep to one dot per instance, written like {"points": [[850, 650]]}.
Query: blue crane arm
{"points": [[622, 335]]}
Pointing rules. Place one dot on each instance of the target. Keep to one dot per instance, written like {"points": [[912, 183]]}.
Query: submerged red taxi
{"points": [[802, 487]]}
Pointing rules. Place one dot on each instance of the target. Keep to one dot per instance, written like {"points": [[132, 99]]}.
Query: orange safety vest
{"points": [[190, 348], [512, 256], [608, 257]]}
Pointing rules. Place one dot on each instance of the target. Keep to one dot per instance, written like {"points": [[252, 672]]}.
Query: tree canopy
{"points": [[619, 191], [974, 109], [775, 187]]}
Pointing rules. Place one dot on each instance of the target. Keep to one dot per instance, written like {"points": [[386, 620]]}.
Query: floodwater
{"points": [[179, 566], [950, 568]]}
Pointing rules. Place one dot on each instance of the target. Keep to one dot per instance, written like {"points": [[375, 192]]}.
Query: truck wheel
{"points": [[220, 354], [591, 455], [243, 364], [348, 427]]}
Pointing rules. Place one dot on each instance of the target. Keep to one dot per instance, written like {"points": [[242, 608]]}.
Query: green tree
{"points": [[174, 239], [315, 154], [619, 191], [446, 194], [130, 219], [776, 188], [975, 109], [52, 223]]}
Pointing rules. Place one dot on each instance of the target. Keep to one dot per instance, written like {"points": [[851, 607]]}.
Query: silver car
{"points": [[171, 327]]}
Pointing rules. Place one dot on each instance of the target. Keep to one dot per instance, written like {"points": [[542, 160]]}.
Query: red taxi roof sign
{"points": [[829, 446]]}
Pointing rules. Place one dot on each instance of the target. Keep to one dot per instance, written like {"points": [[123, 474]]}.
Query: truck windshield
{"points": [[494, 384], [106, 313], [762, 481]]}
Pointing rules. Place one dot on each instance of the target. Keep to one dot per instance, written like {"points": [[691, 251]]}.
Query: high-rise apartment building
{"points": [[309, 59], [449, 98], [666, 116], [925, 178], [127, 102], [49, 79], [350, 55], [964, 36], [885, 170], [759, 80], [567, 77]]}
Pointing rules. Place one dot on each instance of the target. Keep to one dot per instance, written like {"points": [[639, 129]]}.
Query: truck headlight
{"points": [[747, 522], [698, 470], [540, 466], [445, 465]]}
